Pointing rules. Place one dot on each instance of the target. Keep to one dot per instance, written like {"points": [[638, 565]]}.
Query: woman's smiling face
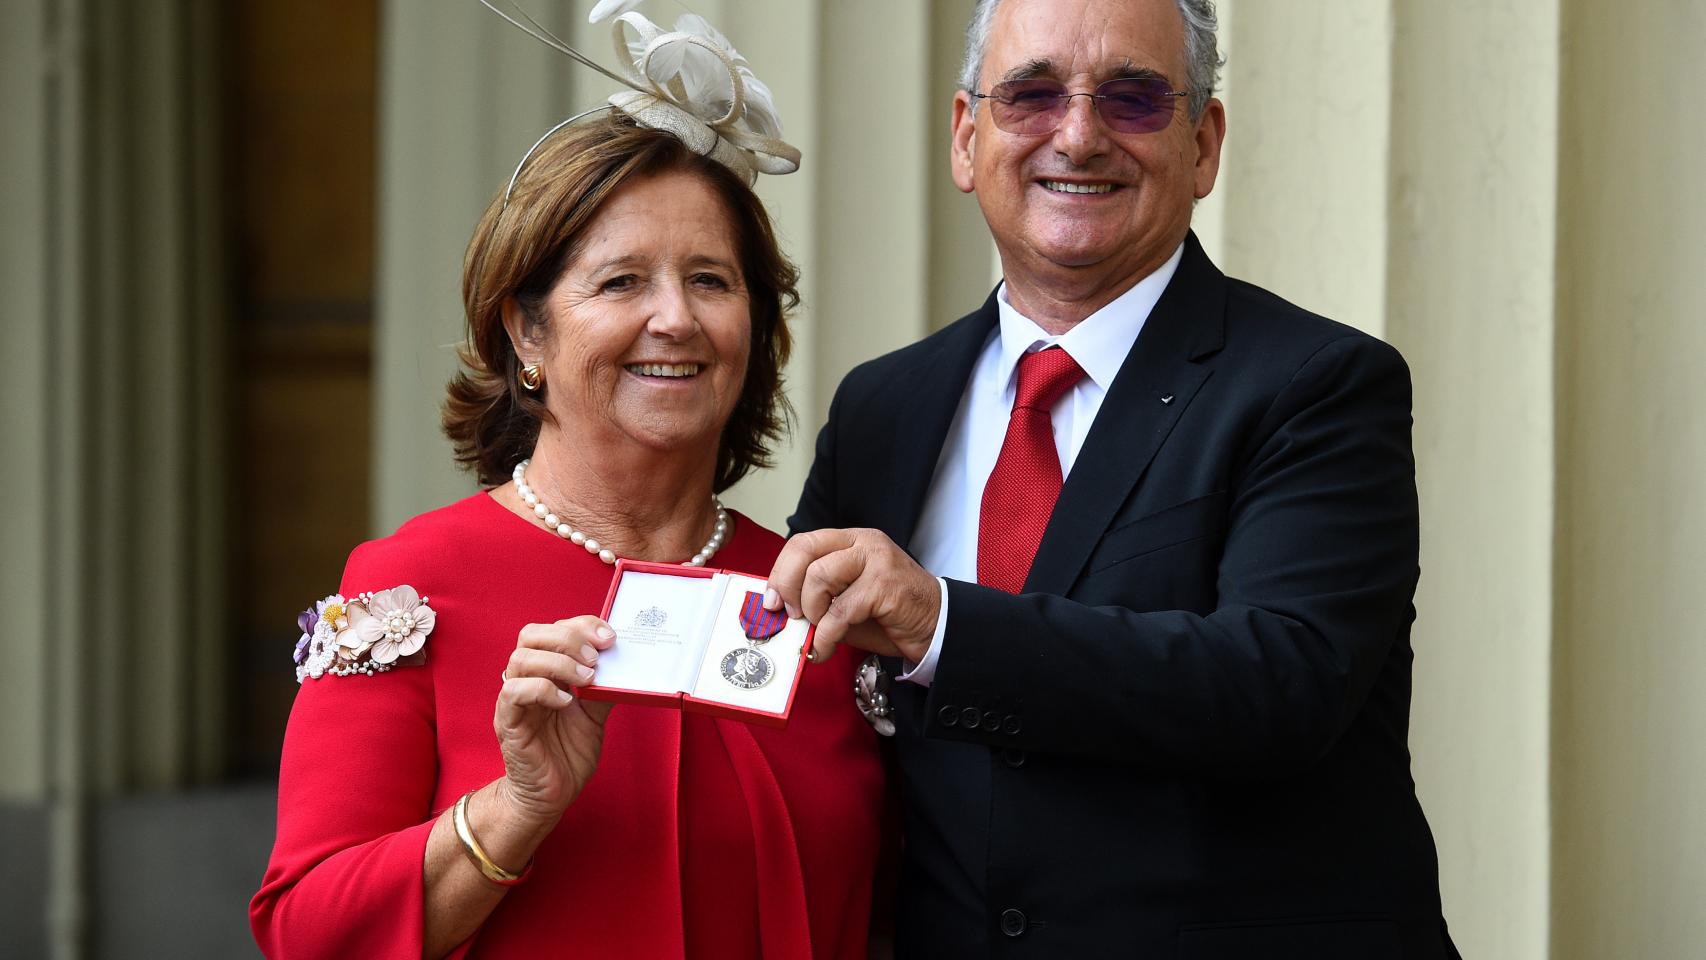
{"points": [[647, 331]]}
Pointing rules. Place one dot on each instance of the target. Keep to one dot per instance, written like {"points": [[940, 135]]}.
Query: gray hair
{"points": [[1202, 55]]}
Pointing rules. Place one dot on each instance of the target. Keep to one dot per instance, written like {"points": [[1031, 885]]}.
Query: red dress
{"points": [[695, 838]]}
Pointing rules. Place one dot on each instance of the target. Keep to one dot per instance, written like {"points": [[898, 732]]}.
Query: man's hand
{"points": [[858, 588]]}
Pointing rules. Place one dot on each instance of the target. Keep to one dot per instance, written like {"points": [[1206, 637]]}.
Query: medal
{"points": [[757, 623], [747, 668]]}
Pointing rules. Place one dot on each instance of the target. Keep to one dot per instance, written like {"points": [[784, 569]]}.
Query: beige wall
{"points": [[1629, 763], [461, 97], [1518, 209], [1363, 188], [1305, 178], [1470, 301]]}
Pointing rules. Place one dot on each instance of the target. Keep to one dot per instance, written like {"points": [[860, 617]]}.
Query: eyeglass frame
{"points": [[1095, 102]]}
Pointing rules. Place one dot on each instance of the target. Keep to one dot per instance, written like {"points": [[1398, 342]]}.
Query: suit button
{"points": [[991, 721], [949, 716], [1011, 726], [970, 718], [1013, 758], [1012, 922]]}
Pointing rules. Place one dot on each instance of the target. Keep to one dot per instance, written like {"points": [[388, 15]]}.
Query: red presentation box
{"points": [[694, 638]]}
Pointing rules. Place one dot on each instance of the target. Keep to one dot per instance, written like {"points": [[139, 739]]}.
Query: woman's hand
{"points": [[550, 737], [550, 740]]}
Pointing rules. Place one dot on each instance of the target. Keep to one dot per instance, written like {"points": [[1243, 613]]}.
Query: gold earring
{"points": [[531, 377]]}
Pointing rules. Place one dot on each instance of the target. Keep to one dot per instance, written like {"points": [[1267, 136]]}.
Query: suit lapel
{"points": [[927, 396], [1154, 386]]}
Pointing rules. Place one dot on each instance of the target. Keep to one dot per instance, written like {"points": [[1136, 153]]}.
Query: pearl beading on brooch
{"points": [[364, 668], [569, 533]]}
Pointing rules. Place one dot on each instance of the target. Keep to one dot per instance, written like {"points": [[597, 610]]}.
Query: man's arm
{"points": [[1314, 587]]}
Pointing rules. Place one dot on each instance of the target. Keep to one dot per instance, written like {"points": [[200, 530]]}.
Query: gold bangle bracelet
{"points": [[477, 855]]}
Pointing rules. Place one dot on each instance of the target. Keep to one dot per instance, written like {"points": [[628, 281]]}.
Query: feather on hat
{"points": [[689, 81]]}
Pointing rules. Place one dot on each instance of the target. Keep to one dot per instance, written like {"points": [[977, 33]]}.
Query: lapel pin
{"points": [[1167, 399]]}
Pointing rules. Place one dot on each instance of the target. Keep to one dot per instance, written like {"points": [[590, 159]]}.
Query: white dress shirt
{"points": [[946, 539]]}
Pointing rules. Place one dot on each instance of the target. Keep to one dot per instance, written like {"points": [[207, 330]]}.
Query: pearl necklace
{"points": [[592, 546]]}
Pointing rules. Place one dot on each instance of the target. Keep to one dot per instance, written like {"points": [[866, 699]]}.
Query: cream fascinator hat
{"points": [[689, 82]]}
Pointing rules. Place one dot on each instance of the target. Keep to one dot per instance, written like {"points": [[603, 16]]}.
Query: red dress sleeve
{"points": [[354, 808]]}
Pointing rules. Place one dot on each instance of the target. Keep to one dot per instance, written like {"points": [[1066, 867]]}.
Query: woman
{"points": [[626, 306]]}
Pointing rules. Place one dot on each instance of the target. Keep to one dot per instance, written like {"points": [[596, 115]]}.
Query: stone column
{"points": [[1393, 166], [112, 432], [1628, 765]]}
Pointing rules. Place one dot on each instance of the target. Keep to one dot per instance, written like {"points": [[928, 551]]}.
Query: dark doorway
{"points": [[301, 112]]}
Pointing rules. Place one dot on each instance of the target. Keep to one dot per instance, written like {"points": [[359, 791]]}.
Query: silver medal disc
{"points": [[747, 668]]}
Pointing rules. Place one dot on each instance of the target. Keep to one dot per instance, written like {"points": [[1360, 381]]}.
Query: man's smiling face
{"points": [[1084, 195]]}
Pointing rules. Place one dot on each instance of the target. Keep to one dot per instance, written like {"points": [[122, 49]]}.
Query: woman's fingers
{"points": [[549, 661], [562, 669], [580, 637], [599, 633], [521, 692], [550, 753]]}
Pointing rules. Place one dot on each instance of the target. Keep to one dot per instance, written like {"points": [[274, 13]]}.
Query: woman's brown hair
{"points": [[522, 249]]}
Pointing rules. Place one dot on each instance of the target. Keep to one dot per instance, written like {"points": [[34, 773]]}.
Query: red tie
{"points": [[1025, 483]]}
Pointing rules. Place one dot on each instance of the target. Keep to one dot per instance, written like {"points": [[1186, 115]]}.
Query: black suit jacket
{"points": [[1187, 737]]}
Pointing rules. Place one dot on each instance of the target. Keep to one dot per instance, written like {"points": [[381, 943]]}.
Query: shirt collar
{"points": [[1099, 343]]}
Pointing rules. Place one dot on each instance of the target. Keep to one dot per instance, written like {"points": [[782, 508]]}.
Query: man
{"points": [[1160, 709]]}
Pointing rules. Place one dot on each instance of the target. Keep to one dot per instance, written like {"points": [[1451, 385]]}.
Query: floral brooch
{"points": [[366, 634], [870, 693]]}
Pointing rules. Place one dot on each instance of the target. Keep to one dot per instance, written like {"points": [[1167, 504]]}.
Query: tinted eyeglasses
{"points": [[1128, 105]]}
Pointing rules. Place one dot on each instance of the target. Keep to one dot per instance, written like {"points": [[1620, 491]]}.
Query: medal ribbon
{"points": [[757, 622]]}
